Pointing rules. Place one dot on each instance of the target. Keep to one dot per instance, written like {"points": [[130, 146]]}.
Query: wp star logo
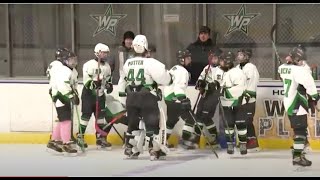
{"points": [[240, 21], [107, 21]]}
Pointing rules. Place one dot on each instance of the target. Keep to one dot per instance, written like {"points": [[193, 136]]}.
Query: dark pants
{"points": [[88, 106], [205, 111], [235, 116], [250, 109], [174, 111], [143, 104]]}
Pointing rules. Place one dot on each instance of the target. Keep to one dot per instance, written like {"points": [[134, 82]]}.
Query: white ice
{"points": [[34, 160]]}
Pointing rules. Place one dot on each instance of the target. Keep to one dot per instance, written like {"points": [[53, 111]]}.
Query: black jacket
{"points": [[199, 54]]}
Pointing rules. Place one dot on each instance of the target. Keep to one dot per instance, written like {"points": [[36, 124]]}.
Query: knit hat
{"points": [[128, 34]]}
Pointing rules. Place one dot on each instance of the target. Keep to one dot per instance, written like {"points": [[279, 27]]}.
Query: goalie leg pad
{"points": [[136, 139]]}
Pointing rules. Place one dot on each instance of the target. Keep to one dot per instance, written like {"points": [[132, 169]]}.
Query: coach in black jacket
{"points": [[199, 53]]}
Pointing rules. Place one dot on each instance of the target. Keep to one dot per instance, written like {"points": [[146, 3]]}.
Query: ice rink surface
{"points": [[34, 160]]}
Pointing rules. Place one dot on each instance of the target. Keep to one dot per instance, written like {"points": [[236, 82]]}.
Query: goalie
{"points": [[139, 84]]}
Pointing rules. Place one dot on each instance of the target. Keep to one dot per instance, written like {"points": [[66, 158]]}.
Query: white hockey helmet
{"points": [[140, 43], [101, 47]]}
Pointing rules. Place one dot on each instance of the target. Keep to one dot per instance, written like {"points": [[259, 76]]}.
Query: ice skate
{"points": [[300, 162], [157, 155], [252, 144], [230, 148], [68, 150], [243, 148], [188, 145], [54, 147], [130, 154], [103, 144]]}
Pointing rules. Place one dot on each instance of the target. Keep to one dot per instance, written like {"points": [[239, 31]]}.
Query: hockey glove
{"points": [[96, 84], [214, 86], [201, 84], [75, 100], [50, 92], [186, 104], [109, 87], [159, 94], [246, 96]]}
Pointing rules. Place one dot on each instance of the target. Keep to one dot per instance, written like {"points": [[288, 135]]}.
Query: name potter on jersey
{"points": [[136, 62]]}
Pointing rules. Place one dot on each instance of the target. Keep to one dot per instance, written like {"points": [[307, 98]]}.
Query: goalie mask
{"points": [[140, 44], [184, 57], [101, 51], [214, 56], [227, 61]]}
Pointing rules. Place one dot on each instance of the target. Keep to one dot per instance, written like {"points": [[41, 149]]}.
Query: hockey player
{"points": [[249, 99], [208, 86], [232, 89], [63, 84], [138, 83], [298, 83], [178, 104], [96, 78]]}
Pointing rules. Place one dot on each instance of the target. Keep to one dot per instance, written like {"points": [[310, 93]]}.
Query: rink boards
{"points": [[27, 115]]}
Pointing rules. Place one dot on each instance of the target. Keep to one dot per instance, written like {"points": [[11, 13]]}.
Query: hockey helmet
{"points": [[228, 60], [140, 43], [101, 48], [247, 52], [298, 53]]}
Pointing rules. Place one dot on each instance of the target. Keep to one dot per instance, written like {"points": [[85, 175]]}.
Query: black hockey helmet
{"points": [[215, 52], [228, 59], [181, 54], [61, 53], [247, 52], [298, 53]]}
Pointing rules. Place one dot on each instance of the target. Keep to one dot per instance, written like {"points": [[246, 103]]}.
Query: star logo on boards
{"points": [[107, 21], [240, 21]]}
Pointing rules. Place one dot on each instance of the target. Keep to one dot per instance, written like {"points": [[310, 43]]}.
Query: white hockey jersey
{"points": [[180, 77], [252, 80], [63, 82], [143, 71], [90, 74], [292, 76], [234, 83], [306, 66], [214, 73]]}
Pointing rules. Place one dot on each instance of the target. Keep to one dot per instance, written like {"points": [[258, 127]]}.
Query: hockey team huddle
{"points": [[222, 84]]}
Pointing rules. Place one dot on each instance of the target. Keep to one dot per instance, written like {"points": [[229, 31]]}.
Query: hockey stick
{"points": [[206, 137], [198, 98], [273, 31], [224, 119], [113, 120], [80, 131]]}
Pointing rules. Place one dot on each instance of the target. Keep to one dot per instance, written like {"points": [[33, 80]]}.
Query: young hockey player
{"points": [[232, 89], [96, 78], [249, 99], [178, 104], [63, 84], [141, 77], [208, 86], [302, 55], [297, 84]]}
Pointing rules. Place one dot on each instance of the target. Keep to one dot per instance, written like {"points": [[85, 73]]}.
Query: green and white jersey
{"points": [[178, 88], [143, 71], [91, 73], [234, 85], [63, 82], [252, 80], [295, 99]]}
